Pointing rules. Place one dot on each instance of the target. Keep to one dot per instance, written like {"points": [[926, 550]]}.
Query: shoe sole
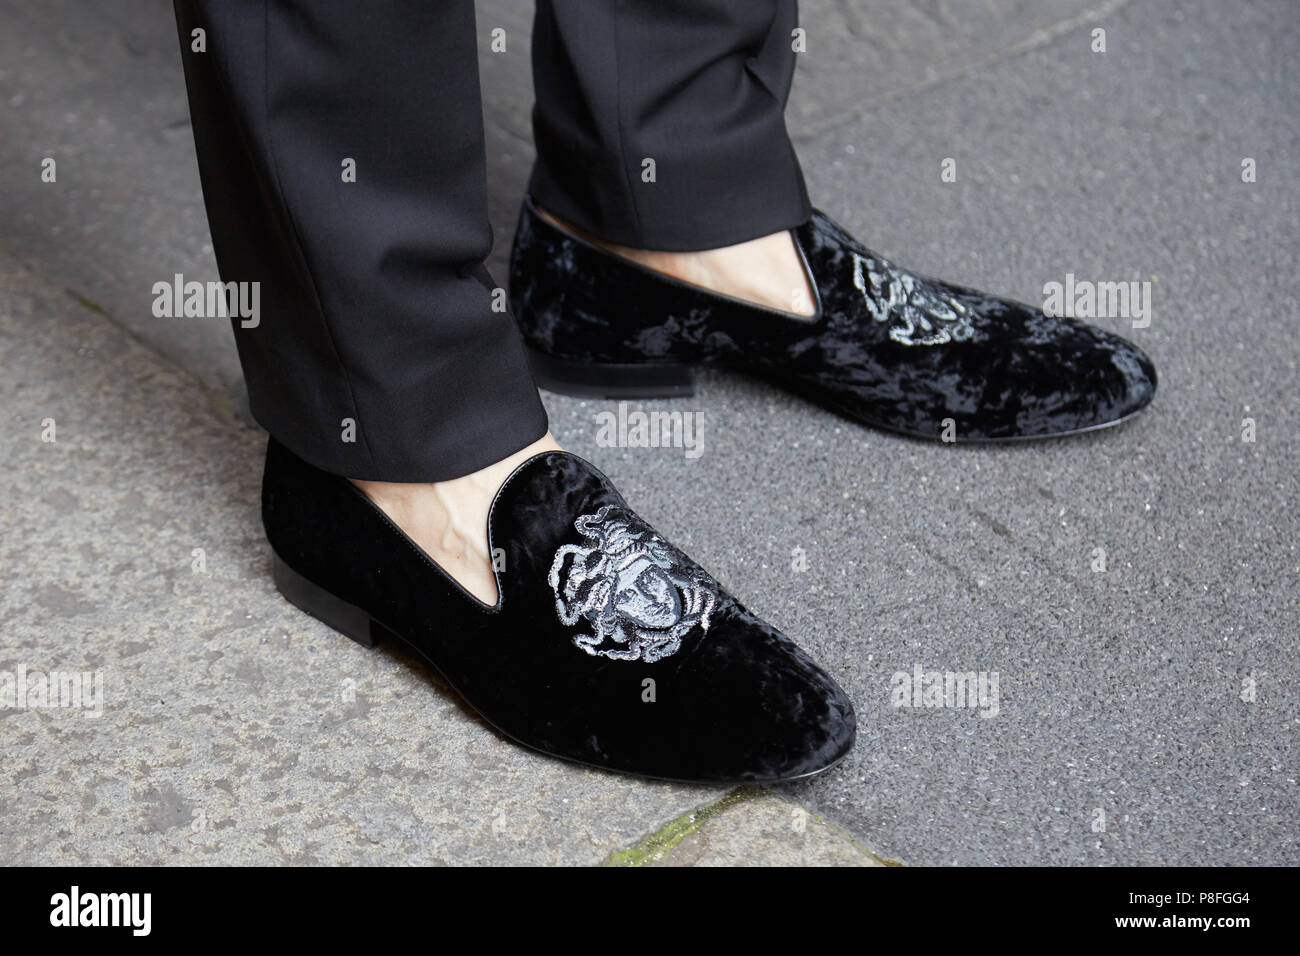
{"points": [[619, 382], [357, 624]]}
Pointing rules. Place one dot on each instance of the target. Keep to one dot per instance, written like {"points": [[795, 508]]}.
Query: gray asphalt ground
{"points": [[1147, 713]]}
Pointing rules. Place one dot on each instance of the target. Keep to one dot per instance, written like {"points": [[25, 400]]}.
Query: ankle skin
{"points": [[448, 519], [766, 271]]}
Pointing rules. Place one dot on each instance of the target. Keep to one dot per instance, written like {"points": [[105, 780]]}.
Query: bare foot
{"points": [[766, 271], [448, 519]]}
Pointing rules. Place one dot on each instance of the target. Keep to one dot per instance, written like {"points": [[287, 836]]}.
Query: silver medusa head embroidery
{"points": [[922, 315], [630, 586]]}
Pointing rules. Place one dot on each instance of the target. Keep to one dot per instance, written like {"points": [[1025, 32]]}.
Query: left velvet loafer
{"points": [[886, 347], [607, 645]]}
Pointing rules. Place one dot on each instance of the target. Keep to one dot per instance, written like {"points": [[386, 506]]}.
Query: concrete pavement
{"points": [[1146, 713]]}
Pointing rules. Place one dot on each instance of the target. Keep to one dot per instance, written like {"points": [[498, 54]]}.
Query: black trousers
{"points": [[341, 152]]}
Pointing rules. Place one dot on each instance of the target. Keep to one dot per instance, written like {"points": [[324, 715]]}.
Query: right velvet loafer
{"points": [[886, 347], [607, 645]]}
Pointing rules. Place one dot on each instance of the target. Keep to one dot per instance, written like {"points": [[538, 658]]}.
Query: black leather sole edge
{"points": [[611, 380], [676, 380], [357, 624], [831, 406], [348, 619]]}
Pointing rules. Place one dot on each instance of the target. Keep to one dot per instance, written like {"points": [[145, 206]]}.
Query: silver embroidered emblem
{"points": [[633, 588], [923, 315]]}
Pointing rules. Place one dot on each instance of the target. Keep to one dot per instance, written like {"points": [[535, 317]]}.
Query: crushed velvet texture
{"points": [[886, 348], [736, 701]]}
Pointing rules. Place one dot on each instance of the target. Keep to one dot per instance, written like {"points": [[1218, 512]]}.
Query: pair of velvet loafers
{"points": [[607, 645]]}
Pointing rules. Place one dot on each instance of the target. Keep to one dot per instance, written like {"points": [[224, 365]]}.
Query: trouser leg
{"points": [[698, 87], [375, 305]]}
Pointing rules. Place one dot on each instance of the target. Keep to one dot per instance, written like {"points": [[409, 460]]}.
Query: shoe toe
{"points": [[1101, 379], [1137, 374], [761, 710]]}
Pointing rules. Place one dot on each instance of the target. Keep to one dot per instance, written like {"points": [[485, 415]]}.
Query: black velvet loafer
{"points": [[607, 646], [886, 348]]}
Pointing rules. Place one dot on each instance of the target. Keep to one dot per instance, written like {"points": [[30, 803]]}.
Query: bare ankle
{"points": [[448, 519], [765, 271]]}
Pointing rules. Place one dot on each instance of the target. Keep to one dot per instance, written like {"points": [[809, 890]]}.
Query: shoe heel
{"points": [[345, 618], [612, 380]]}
